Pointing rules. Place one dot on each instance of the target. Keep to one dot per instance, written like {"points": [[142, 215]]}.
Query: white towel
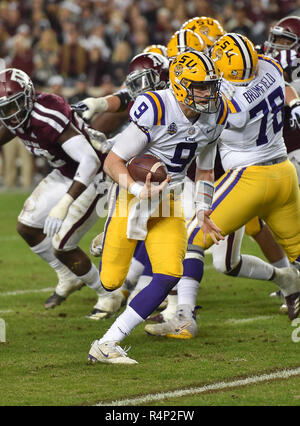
{"points": [[142, 210]]}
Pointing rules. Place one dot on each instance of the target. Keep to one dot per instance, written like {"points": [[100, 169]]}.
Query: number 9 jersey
{"points": [[172, 137], [254, 129]]}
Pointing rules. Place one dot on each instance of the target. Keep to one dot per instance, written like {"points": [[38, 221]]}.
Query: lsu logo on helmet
{"points": [[235, 58]]}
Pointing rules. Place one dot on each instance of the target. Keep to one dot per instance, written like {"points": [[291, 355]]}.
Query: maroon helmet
{"points": [[147, 71], [287, 29], [17, 96]]}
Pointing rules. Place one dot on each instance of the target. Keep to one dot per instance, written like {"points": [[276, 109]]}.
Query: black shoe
{"points": [[54, 300]]}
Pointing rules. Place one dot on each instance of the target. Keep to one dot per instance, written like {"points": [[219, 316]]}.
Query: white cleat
{"points": [[182, 326], [109, 353], [108, 305], [62, 291]]}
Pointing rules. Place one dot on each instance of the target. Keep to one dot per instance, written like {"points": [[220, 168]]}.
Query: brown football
{"points": [[141, 165]]}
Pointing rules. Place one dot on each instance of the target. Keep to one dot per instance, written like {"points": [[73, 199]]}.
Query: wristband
{"points": [[203, 195], [135, 189]]}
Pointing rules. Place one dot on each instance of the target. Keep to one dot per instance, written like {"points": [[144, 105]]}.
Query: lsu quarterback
{"points": [[176, 125], [259, 179]]}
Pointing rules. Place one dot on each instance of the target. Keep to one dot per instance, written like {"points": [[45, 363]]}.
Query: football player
{"points": [[175, 125], [63, 206], [185, 40], [209, 29], [259, 179]]}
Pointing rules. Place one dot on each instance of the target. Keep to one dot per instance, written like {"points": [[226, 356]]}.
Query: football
{"points": [[141, 165]]}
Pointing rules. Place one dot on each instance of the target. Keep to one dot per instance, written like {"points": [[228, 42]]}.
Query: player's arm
{"points": [[79, 149], [116, 102], [204, 192], [131, 142], [293, 101], [5, 135]]}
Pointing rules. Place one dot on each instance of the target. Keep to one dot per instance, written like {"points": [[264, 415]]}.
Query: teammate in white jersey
{"points": [[175, 125], [259, 181]]}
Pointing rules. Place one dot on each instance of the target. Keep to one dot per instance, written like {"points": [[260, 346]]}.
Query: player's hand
{"points": [[96, 246], [52, 226], [57, 215], [94, 105], [151, 190], [295, 116], [209, 227], [99, 141]]}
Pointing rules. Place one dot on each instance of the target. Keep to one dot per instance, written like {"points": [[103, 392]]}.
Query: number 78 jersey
{"points": [[172, 137], [254, 129]]}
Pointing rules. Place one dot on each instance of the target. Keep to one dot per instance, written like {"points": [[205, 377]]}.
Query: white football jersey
{"points": [[172, 137], [253, 132]]}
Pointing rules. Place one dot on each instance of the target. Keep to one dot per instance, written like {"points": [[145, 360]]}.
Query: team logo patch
{"points": [[172, 129], [178, 70]]}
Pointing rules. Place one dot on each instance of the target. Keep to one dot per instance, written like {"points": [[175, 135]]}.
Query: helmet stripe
{"points": [[245, 53], [181, 41], [207, 62]]}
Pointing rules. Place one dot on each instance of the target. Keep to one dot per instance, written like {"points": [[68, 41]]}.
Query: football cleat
{"points": [[288, 280], [108, 305], [293, 305], [182, 326], [278, 294], [62, 291], [109, 353]]}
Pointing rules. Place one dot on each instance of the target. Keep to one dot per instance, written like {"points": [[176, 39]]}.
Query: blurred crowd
{"points": [[79, 48]]}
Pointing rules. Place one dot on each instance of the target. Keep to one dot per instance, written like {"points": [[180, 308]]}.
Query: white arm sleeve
{"points": [[206, 157], [79, 149], [130, 142]]}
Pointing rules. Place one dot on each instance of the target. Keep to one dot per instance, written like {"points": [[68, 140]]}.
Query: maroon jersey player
{"points": [[63, 206]]}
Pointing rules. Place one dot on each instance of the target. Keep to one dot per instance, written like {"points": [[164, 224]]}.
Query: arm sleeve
{"points": [[132, 141], [79, 149], [206, 157]]}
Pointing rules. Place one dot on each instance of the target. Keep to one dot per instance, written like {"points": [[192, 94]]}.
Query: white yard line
{"points": [[7, 311], [17, 292], [282, 374], [247, 320]]}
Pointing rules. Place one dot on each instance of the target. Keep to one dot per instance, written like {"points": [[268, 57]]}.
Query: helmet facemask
{"points": [[14, 111], [273, 47], [141, 81], [203, 96]]}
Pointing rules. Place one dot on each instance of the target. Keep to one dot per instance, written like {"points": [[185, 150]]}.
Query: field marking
{"points": [[282, 374], [17, 292], [7, 311], [247, 320]]}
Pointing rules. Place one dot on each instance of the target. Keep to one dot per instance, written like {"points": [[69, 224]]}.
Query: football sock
{"points": [[255, 268], [187, 291], [170, 310], [92, 280], [148, 299], [123, 325], [282, 263], [45, 251]]}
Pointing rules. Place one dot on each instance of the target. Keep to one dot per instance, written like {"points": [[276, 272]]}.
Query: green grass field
{"points": [[44, 359]]}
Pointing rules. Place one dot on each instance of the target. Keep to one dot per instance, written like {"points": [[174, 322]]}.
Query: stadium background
{"points": [[80, 48]]}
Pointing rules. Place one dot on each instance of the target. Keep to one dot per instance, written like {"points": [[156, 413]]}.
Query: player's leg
{"points": [[166, 245], [282, 214], [31, 222]]}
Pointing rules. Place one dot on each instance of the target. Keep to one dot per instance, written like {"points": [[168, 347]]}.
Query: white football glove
{"points": [[295, 115], [94, 105], [96, 246], [99, 141], [57, 215], [227, 89]]}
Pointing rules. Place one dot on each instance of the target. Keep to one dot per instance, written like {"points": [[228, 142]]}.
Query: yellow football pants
{"points": [[165, 242], [269, 192]]}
